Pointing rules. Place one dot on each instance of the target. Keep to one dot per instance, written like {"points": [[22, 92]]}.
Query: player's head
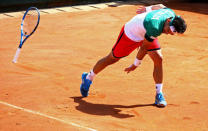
{"points": [[175, 25]]}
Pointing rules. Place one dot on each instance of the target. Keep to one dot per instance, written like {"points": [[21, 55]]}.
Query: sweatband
{"points": [[172, 28], [137, 62]]}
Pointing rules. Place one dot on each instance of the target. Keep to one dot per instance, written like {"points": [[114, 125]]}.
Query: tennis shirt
{"points": [[147, 25]]}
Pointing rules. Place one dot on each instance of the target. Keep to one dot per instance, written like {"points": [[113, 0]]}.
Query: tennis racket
{"points": [[29, 24]]}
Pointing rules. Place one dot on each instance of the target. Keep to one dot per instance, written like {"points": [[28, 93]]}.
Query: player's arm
{"points": [[142, 9], [151, 34], [139, 57], [143, 50]]}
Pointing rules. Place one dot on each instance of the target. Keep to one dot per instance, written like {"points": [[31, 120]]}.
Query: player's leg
{"points": [[87, 78], [154, 52], [123, 47], [156, 56], [104, 62]]}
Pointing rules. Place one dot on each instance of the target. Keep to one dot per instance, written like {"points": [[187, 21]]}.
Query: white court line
{"points": [[47, 116]]}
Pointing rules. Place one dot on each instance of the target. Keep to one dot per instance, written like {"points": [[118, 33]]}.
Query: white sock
{"points": [[91, 75], [159, 88]]}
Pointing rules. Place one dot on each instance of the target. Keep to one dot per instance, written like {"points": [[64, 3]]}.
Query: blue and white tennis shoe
{"points": [[85, 86], [160, 100]]}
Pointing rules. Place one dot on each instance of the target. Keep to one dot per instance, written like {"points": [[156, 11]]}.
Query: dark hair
{"points": [[179, 24]]}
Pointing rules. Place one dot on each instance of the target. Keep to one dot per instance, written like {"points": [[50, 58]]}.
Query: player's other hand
{"points": [[141, 9], [130, 68]]}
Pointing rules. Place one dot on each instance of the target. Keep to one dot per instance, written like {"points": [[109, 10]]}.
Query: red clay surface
{"points": [[47, 77]]}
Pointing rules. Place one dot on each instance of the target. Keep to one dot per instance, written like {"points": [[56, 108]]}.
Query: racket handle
{"points": [[16, 55]]}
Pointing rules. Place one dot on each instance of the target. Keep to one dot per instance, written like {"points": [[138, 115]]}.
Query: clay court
{"points": [[42, 91]]}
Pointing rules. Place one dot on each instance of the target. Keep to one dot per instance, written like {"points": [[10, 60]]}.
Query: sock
{"points": [[91, 75], [159, 88]]}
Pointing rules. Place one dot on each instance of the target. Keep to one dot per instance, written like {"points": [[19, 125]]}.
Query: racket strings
{"points": [[30, 22]]}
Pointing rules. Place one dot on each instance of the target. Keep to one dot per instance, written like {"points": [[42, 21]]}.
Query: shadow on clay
{"points": [[104, 109]]}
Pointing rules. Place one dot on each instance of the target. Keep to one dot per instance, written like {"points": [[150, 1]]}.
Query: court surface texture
{"points": [[42, 91]]}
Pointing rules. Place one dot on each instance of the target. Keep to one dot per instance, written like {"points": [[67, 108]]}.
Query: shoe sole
{"points": [[160, 105]]}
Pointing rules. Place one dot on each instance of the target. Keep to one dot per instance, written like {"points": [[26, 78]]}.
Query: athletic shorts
{"points": [[124, 46]]}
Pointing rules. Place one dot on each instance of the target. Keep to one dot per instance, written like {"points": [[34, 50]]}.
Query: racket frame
{"points": [[23, 35]]}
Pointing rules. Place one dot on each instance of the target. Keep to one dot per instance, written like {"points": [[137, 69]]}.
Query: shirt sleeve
{"points": [[151, 34], [153, 30], [148, 38]]}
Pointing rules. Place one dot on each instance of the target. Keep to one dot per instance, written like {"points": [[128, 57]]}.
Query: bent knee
{"points": [[113, 60], [110, 59], [158, 61], [156, 56]]}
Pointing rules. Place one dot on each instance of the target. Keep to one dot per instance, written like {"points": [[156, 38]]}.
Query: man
{"points": [[141, 31]]}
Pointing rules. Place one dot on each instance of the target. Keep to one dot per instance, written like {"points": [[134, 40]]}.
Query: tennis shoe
{"points": [[84, 88], [160, 100]]}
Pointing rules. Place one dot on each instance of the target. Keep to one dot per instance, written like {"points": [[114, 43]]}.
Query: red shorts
{"points": [[124, 46]]}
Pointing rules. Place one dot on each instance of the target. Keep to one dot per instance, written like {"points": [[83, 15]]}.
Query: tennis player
{"points": [[141, 31]]}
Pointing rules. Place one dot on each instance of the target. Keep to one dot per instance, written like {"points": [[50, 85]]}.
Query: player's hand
{"points": [[141, 9], [130, 68]]}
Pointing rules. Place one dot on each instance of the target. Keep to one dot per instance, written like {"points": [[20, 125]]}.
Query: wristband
{"points": [[137, 62], [148, 8]]}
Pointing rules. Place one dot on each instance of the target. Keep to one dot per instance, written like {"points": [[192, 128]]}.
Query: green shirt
{"points": [[155, 20]]}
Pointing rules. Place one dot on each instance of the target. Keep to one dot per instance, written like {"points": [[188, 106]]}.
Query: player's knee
{"points": [[112, 60], [158, 61]]}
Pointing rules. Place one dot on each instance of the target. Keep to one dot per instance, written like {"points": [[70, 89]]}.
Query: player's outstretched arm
{"points": [[140, 55], [142, 9]]}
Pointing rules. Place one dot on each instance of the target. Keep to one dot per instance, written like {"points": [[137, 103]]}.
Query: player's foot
{"points": [[84, 88], [160, 100]]}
